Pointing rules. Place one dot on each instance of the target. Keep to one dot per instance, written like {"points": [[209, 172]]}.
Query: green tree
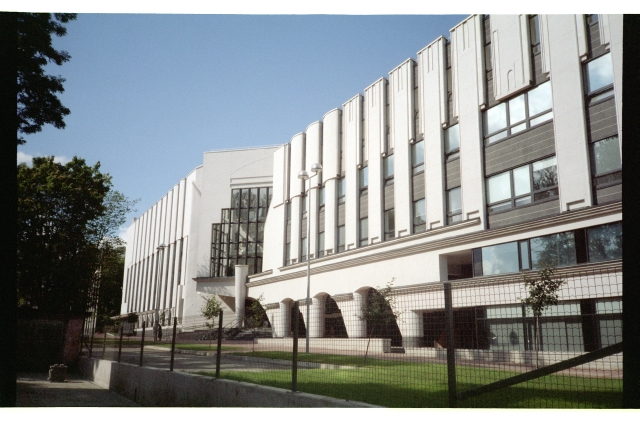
{"points": [[67, 219], [254, 315], [111, 273], [211, 308], [378, 311], [38, 103], [543, 292]]}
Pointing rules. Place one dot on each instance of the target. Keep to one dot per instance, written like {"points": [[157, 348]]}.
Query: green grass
{"points": [[406, 384]]}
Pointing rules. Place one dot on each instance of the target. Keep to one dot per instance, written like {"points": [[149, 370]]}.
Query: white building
{"points": [[491, 151]]}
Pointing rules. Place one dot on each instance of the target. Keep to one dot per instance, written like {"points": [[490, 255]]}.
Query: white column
{"points": [[316, 319], [241, 272], [283, 320]]}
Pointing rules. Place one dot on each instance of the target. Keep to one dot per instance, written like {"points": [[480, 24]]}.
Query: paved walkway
{"points": [[34, 390]]}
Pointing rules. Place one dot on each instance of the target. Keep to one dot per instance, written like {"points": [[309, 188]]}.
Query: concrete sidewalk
{"points": [[34, 390]]}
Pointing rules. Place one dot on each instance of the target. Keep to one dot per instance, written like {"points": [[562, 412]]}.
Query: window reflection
{"points": [[605, 242], [500, 259], [605, 156], [599, 73]]}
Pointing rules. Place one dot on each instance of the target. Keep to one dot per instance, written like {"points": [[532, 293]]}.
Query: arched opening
{"points": [[381, 321], [302, 329], [333, 322], [254, 314]]}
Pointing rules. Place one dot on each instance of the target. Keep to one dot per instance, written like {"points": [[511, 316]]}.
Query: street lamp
{"points": [[304, 175], [157, 314]]}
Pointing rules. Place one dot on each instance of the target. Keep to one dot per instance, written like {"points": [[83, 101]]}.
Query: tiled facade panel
{"points": [[374, 131], [364, 205], [520, 149], [330, 159], [511, 54], [601, 120], [321, 226], [528, 213], [352, 141], [389, 191], [467, 58], [313, 155], [574, 180], [453, 173], [341, 214], [431, 68], [417, 187], [609, 194], [401, 102]]}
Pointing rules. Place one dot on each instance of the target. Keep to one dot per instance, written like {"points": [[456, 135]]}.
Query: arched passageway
{"points": [[381, 321], [333, 321]]}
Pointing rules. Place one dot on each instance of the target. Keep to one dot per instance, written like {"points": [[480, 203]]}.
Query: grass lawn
{"points": [[406, 384]]}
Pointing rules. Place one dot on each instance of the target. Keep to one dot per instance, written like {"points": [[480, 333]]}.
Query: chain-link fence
{"points": [[464, 343]]}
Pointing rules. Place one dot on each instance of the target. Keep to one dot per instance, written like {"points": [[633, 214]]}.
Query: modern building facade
{"points": [[494, 151]]}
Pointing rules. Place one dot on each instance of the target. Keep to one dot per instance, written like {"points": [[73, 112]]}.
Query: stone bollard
{"points": [[57, 373]]}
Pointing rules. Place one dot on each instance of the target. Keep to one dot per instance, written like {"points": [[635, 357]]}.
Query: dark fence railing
{"points": [[465, 343]]}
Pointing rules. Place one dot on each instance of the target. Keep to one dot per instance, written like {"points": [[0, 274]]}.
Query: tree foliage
{"points": [[543, 292], [38, 103], [111, 272], [67, 217], [211, 308], [379, 311], [254, 315]]}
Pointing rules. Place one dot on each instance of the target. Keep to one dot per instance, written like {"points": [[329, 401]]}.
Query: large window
{"points": [[363, 178], [454, 205], [341, 239], [238, 239], [599, 78], [452, 142], [606, 162], [553, 250], [605, 242], [364, 231], [342, 190], [388, 170], [417, 157], [519, 114], [526, 184], [389, 224], [419, 216]]}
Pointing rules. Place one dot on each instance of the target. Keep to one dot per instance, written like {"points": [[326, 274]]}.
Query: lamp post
{"points": [[304, 175], [157, 313]]}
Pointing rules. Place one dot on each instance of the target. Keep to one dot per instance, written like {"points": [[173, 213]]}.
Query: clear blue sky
{"points": [[150, 93]]}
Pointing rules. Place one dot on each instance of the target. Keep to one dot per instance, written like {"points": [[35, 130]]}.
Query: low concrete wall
{"points": [[334, 345], [156, 387]]}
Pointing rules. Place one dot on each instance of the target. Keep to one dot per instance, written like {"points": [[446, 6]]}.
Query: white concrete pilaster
{"points": [[241, 272]]}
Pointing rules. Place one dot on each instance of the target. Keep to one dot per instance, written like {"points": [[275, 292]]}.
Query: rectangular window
{"points": [[303, 249], [389, 225], [534, 33], [599, 76], [452, 142], [341, 239], [500, 259], [320, 245], [342, 190], [518, 114], [553, 250], [321, 196], [287, 254], [454, 205], [364, 231], [417, 157], [606, 162], [363, 178], [419, 216], [523, 185], [605, 242], [388, 167]]}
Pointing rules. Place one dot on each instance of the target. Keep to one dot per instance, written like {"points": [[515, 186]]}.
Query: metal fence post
{"points": [[104, 344], [142, 342], [451, 354], [294, 362], [219, 347], [91, 342], [82, 335], [173, 342], [120, 343]]}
